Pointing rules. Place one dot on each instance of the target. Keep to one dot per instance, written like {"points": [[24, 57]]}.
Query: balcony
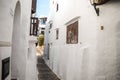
{"points": [[34, 26]]}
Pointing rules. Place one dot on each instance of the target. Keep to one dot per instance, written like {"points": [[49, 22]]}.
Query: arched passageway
{"points": [[15, 55]]}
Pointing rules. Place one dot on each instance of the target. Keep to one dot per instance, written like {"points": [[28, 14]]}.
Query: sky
{"points": [[42, 8]]}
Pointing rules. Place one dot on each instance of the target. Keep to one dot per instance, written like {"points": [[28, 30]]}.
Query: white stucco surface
{"points": [[31, 71], [14, 39], [96, 56]]}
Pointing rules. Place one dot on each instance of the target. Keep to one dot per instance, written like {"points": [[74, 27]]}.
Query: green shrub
{"points": [[41, 40]]}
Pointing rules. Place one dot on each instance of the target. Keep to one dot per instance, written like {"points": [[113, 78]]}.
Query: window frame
{"points": [[72, 23]]}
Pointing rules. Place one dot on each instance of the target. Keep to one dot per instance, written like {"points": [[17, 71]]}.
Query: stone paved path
{"points": [[44, 71]]}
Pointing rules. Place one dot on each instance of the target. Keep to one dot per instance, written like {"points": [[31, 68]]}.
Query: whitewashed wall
{"points": [[31, 71], [7, 8], [96, 56], [108, 41]]}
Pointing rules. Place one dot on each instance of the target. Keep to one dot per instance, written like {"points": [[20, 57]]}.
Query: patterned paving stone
{"points": [[45, 73]]}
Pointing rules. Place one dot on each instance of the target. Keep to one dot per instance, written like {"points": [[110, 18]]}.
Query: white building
{"points": [[17, 47], [42, 24], [82, 42]]}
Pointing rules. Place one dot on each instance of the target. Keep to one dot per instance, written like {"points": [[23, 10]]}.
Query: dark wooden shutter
{"points": [[72, 33], [34, 26]]}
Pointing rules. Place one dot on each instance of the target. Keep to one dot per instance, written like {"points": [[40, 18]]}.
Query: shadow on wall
{"points": [[118, 50], [115, 1]]}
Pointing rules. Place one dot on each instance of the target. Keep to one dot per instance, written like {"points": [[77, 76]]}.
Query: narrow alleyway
{"points": [[44, 71]]}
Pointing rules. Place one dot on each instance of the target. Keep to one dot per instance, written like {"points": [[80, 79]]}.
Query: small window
{"points": [[57, 34], [42, 32], [72, 33], [50, 25], [43, 21], [43, 28], [57, 7]]}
